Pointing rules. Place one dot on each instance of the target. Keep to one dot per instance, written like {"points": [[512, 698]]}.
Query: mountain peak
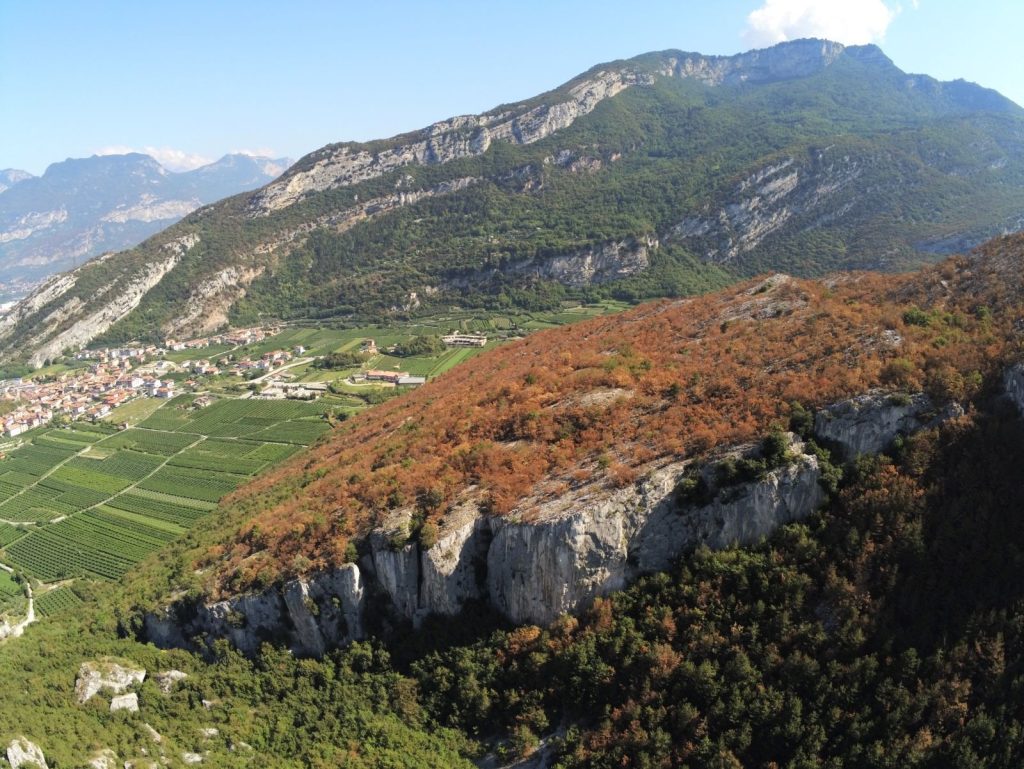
{"points": [[741, 163], [11, 176]]}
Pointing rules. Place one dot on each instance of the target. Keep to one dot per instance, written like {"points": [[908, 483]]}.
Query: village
{"points": [[115, 376], [109, 377]]}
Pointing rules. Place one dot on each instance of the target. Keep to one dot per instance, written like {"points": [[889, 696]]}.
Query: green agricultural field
{"points": [[135, 411], [93, 501], [57, 601]]}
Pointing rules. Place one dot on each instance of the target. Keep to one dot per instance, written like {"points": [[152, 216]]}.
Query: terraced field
{"points": [[92, 501]]}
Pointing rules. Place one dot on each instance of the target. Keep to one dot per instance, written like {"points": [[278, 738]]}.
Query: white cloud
{"points": [[853, 22], [168, 157], [259, 152]]}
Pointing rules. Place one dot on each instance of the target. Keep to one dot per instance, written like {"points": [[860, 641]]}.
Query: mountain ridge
{"points": [[556, 470], [81, 207], [465, 198]]}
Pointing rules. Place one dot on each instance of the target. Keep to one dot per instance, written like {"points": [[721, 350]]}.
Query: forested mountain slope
{"points": [[661, 175], [880, 628], [561, 422]]}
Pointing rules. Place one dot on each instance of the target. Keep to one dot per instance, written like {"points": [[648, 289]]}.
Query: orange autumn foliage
{"points": [[612, 395]]}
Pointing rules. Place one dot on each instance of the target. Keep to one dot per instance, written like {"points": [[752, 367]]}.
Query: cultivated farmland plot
{"points": [[93, 502], [56, 601]]}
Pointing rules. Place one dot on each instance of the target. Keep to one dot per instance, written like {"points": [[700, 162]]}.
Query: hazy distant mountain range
{"points": [[80, 208], [11, 176]]}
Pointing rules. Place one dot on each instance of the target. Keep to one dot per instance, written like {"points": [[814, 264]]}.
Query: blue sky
{"points": [[193, 80]]}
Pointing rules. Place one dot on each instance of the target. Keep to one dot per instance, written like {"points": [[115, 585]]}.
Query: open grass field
{"points": [[135, 411], [93, 501]]}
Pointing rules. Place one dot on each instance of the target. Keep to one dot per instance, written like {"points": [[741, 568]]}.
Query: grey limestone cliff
{"points": [[531, 568], [804, 193], [556, 555], [595, 264], [869, 423], [307, 615], [470, 135]]}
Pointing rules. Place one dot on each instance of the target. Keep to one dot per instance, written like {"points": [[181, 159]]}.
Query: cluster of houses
{"points": [[238, 337], [91, 395], [397, 378], [464, 340], [266, 362], [120, 356]]}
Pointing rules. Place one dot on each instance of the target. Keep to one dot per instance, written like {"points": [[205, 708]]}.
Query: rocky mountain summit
{"points": [[665, 174], [11, 176], [80, 208]]}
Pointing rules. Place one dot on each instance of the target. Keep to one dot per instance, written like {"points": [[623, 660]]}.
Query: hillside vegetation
{"points": [[665, 175], [883, 631], [614, 397]]}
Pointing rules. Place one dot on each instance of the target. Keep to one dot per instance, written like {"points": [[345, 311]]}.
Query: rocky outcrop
{"points": [[1013, 385], [442, 142], [600, 263], [309, 615], [783, 194], [129, 702], [100, 675], [556, 563], [23, 752], [62, 320], [167, 679], [556, 556], [587, 543], [103, 759], [799, 58], [469, 135], [869, 423]]}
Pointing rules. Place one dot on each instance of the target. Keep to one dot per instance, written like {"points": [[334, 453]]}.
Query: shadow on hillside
{"points": [[969, 572]]}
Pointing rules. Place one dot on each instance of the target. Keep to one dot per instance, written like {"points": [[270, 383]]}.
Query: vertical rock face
{"points": [[309, 615], [453, 570], [585, 544], [595, 264], [436, 580], [1013, 384], [737, 516], [539, 569], [397, 566], [300, 607], [870, 423], [565, 552]]}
